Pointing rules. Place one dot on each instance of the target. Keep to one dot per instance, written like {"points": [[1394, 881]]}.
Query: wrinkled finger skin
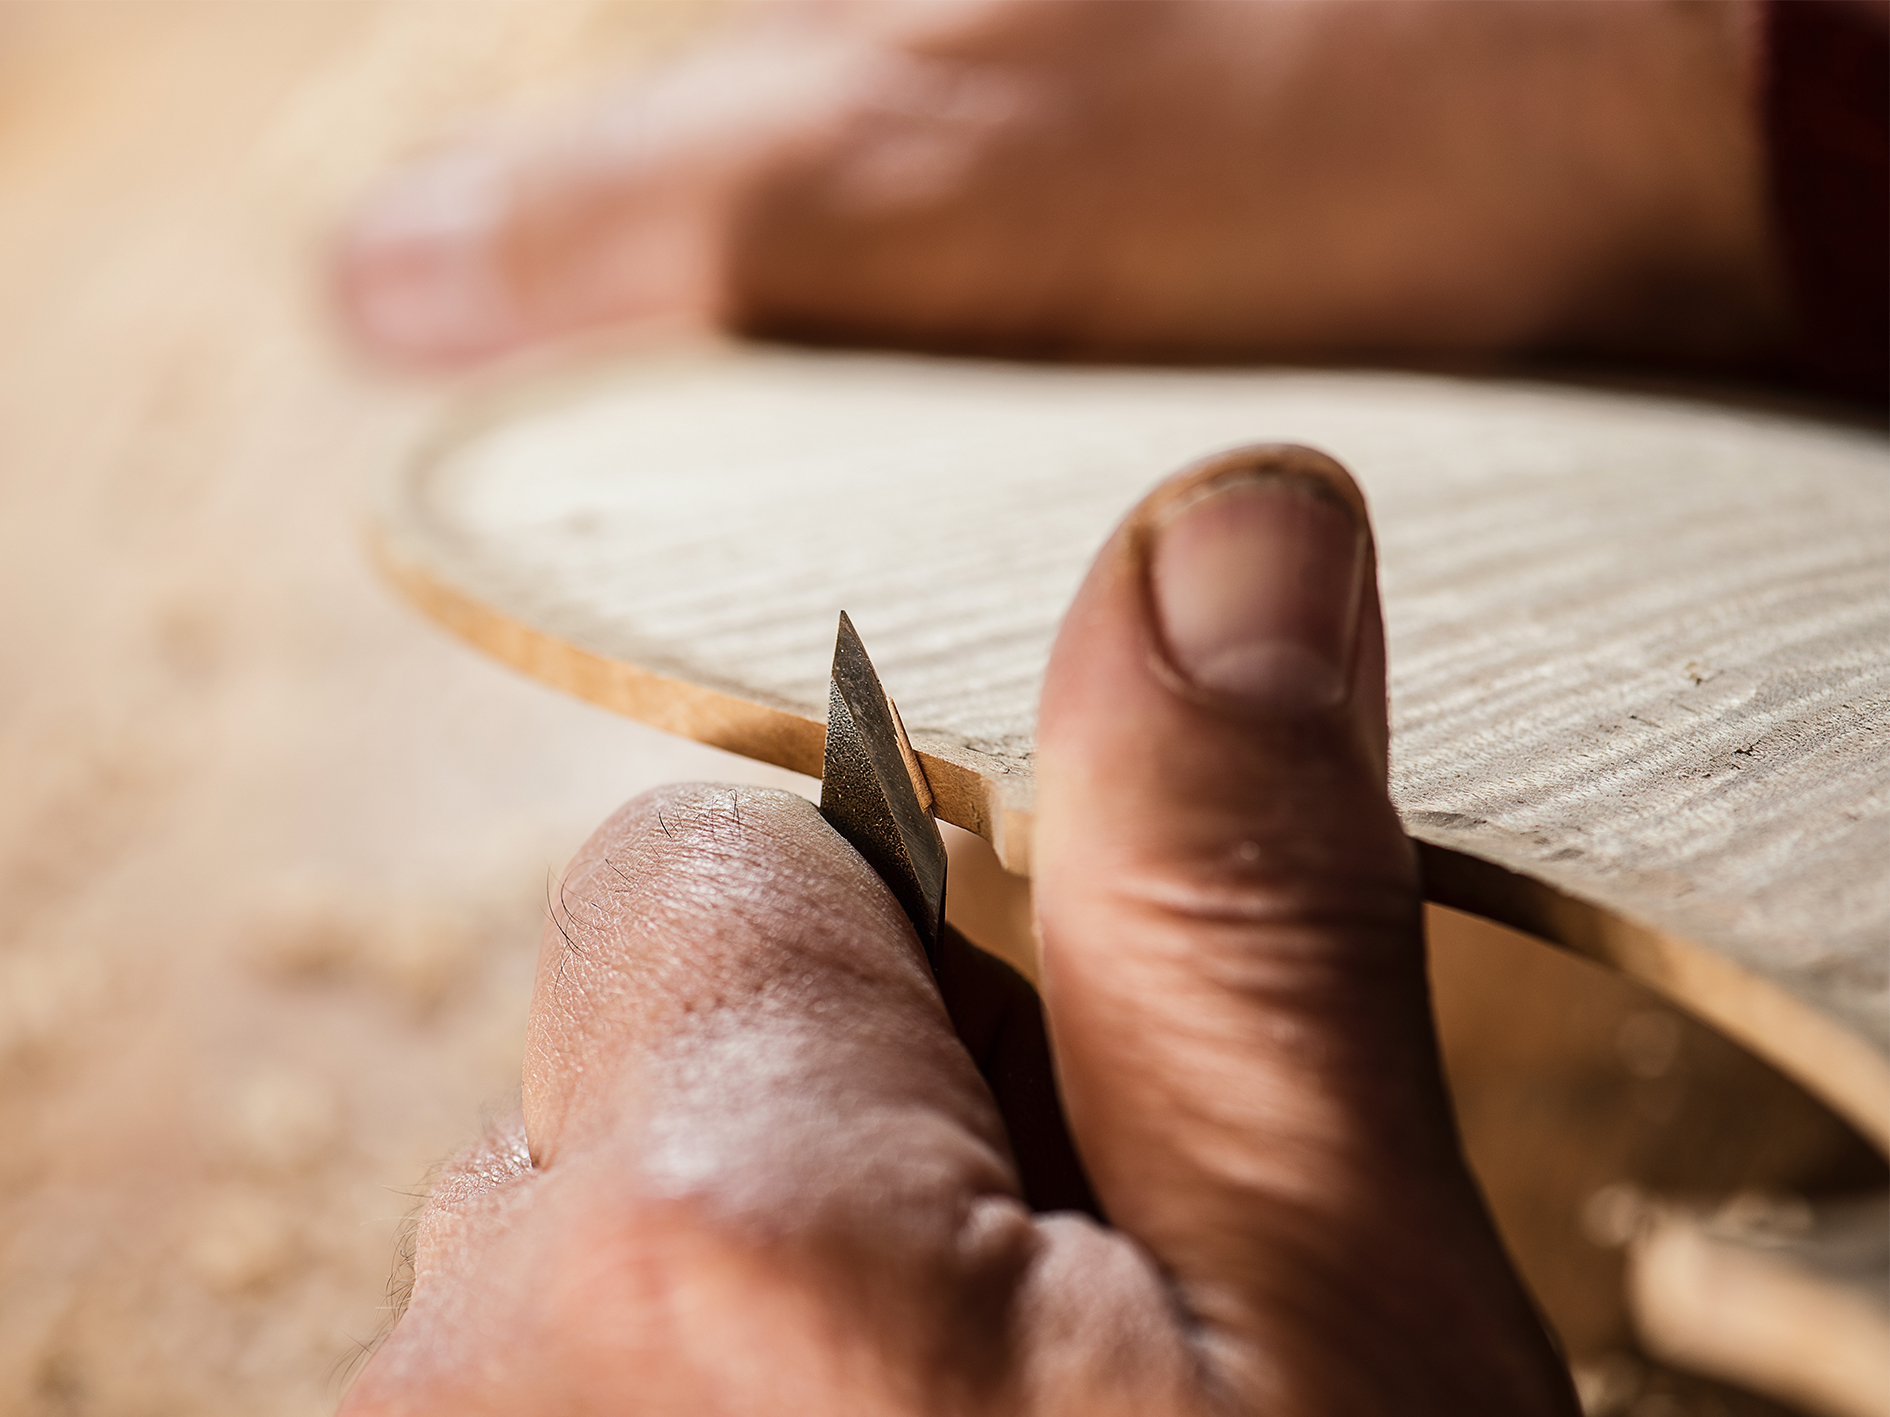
{"points": [[1234, 973], [756, 1171], [760, 1166]]}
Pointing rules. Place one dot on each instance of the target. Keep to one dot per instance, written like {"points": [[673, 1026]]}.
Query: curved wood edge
{"points": [[962, 795], [1819, 1053], [1835, 1064]]}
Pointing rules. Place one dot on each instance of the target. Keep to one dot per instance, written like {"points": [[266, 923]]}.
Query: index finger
{"points": [[758, 1153]]}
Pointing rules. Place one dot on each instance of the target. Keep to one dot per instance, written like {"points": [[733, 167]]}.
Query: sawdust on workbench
{"points": [[273, 855]]}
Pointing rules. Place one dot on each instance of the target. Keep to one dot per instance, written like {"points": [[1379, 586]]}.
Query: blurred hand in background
{"points": [[1101, 177]]}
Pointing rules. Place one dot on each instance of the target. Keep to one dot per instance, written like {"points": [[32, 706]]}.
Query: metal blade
{"points": [[874, 793]]}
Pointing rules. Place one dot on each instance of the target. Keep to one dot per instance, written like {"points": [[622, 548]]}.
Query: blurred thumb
{"points": [[614, 213], [1233, 962]]}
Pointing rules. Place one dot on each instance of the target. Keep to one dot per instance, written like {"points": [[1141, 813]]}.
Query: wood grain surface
{"points": [[1639, 680]]}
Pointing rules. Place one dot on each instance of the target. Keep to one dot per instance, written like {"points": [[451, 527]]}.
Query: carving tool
{"points": [[874, 793]]}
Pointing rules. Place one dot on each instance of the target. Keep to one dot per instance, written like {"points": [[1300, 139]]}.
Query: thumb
{"points": [[616, 212], [1233, 963]]}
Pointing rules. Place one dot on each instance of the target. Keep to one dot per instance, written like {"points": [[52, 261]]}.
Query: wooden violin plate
{"points": [[1639, 646]]}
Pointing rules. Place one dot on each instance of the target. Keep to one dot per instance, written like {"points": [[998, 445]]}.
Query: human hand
{"points": [[1186, 178], [762, 1166]]}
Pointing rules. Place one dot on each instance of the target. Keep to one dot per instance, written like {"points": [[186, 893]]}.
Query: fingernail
{"points": [[420, 261], [1257, 584]]}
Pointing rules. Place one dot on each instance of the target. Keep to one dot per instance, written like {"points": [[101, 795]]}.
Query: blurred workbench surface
{"points": [[272, 851]]}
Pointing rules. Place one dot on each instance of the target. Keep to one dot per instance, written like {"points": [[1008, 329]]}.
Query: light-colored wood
{"points": [[1637, 644], [1772, 1296]]}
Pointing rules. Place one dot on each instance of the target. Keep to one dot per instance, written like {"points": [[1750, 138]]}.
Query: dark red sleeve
{"points": [[1827, 118]]}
